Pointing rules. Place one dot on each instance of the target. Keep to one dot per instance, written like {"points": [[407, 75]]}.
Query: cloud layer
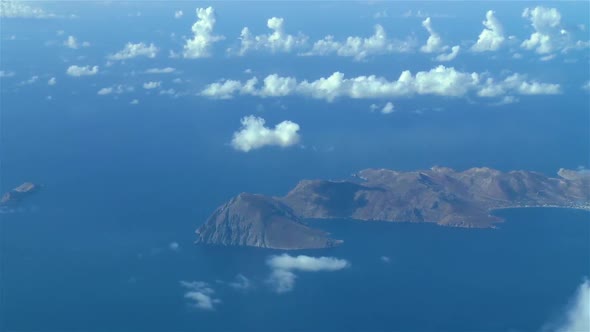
{"points": [[254, 135]]}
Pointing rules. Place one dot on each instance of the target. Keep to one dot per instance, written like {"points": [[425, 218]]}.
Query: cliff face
{"points": [[438, 195], [260, 221]]}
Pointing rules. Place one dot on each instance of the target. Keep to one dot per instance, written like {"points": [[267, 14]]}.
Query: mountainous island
{"points": [[17, 194], [438, 195]]}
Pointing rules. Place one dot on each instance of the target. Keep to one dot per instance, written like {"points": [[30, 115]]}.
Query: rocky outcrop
{"points": [[438, 195]]}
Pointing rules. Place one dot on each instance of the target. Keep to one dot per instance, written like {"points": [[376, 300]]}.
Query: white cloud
{"points": [[174, 246], [200, 44], [4, 73], [440, 81], [20, 9], [277, 41], [78, 71], [116, 89], [388, 108], [201, 294], [240, 282], [491, 37], [385, 259], [548, 36], [282, 277], [578, 315], [134, 50], [170, 92], [178, 14], [358, 47], [450, 56], [52, 81], [151, 85], [166, 70], [434, 43], [31, 80], [254, 135], [134, 102], [72, 42]]}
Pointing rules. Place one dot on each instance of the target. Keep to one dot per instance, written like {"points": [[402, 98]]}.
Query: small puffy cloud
{"points": [[31, 80], [434, 43], [358, 47], [21, 9], [117, 89], [134, 102], [450, 56], [578, 315], [254, 135], [151, 85], [385, 259], [4, 73], [201, 294], [72, 42], [388, 108], [178, 14], [78, 71], [277, 41], [491, 37], [174, 246], [166, 70], [52, 81], [282, 277], [199, 46], [132, 50], [240, 282]]}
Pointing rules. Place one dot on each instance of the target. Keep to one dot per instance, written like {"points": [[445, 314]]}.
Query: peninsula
{"points": [[437, 195]]}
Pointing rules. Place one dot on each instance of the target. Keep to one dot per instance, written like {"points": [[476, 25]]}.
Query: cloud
{"points": [[31, 80], [72, 42], [78, 71], [19, 9], [166, 70], [491, 37], [434, 43], [578, 315], [385, 259], [134, 50], [277, 41], [134, 102], [585, 86], [4, 73], [178, 14], [151, 85], [201, 294], [52, 81], [116, 89], [439, 81], [282, 277], [174, 246], [388, 108], [358, 47], [254, 135], [199, 45], [450, 56], [240, 282]]}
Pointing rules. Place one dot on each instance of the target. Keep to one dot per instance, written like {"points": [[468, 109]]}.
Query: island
{"points": [[17, 194], [438, 195]]}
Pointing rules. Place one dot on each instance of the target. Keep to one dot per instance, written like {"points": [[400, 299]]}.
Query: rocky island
{"points": [[17, 194], [437, 195]]}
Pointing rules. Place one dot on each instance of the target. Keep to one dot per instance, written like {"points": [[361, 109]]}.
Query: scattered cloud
{"points": [[132, 50], [199, 46], [381, 14], [434, 43], [166, 70], [151, 85], [52, 81], [282, 277], [31, 80], [174, 246], [116, 89], [240, 282], [385, 259], [4, 73], [359, 48], [21, 9], [201, 294], [178, 14], [439, 81], [78, 71], [420, 14], [254, 135], [450, 56], [491, 37], [275, 42], [585, 86], [578, 315], [72, 42], [388, 108], [134, 102]]}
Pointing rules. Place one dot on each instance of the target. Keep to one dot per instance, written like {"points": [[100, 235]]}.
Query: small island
{"points": [[17, 194], [438, 195]]}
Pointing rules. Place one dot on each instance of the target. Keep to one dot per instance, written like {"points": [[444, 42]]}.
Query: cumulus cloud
{"points": [[359, 47], [282, 277], [201, 294], [254, 135], [277, 41], [388, 108], [20, 9], [491, 37], [132, 50], [78, 71], [4, 73], [439, 81], [116, 89], [52, 81], [166, 70], [240, 282], [578, 315], [151, 85], [448, 57], [434, 43], [178, 14], [199, 46], [31, 80], [72, 42]]}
